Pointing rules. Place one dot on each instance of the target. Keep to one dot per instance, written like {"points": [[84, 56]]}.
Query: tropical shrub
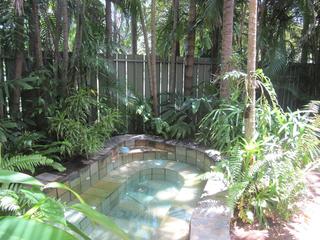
{"points": [[178, 118], [28, 213], [222, 126], [266, 176], [71, 123]]}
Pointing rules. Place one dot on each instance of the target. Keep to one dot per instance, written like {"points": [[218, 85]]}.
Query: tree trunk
{"points": [[108, 33], [134, 34], [145, 37], [153, 59], [115, 27], [153, 86], [305, 29], [75, 60], [175, 9], [16, 92], [29, 97], [215, 50], [65, 30], [37, 39], [190, 48], [56, 40], [2, 97], [178, 17], [250, 112], [227, 34]]}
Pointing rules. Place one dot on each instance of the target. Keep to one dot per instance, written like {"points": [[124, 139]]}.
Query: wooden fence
{"points": [[132, 72], [295, 87], [299, 84]]}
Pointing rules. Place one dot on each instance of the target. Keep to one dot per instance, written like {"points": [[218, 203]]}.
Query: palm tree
{"points": [[190, 48], [65, 32], [250, 112], [227, 34], [36, 38], [151, 56], [108, 33], [56, 34], [153, 59], [134, 34], [175, 11], [19, 57]]}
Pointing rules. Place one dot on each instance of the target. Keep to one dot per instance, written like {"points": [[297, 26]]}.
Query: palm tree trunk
{"points": [[16, 92], [37, 39], [149, 58], [134, 34], [28, 96], [250, 112], [305, 29], [65, 30], [108, 33], [190, 48], [175, 9], [145, 37], [215, 50], [227, 34], [153, 59], [75, 59], [56, 33], [2, 97], [115, 27]]}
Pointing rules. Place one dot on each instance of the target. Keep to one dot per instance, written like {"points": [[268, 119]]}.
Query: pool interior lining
{"points": [[106, 165]]}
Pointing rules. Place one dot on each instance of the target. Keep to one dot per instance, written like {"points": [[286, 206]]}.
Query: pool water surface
{"points": [[141, 208]]}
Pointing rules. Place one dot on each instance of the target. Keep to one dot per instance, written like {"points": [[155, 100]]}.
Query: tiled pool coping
{"points": [[209, 220]]}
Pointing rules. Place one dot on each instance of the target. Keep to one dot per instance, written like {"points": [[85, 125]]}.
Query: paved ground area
{"points": [[304, 225]]}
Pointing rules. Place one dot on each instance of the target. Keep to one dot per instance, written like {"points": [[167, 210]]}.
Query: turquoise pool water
{"points": [[141, 208]]}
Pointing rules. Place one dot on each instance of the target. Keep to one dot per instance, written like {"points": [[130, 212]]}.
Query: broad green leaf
{"points": [[65, 187], [8, 177], [195, 106], [100, 219], [14, 228], [74, 228]]}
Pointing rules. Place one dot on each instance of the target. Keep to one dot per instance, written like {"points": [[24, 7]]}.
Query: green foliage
{"points": [[28, 163], [222, 127], [6, 129], [20, 228], [266, 175], [178, 118], [71, 123], [27, 212]]}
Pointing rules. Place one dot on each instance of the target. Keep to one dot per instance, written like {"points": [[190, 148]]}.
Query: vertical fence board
{"points": [[180, 75], [131, 63], [139, 75], [195, 78], [147, 80], [164, 81], [122, 79]]}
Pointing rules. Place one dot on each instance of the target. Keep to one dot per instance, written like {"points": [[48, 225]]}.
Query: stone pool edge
{"points": [[210, 219]]}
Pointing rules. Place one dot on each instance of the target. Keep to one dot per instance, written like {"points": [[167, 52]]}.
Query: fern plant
{"points": [[266, 176], [71, 123], [27, 162]]}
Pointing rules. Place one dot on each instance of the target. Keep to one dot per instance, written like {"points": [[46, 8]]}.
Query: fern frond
{"points": [[9, 201], [29, 163]]}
